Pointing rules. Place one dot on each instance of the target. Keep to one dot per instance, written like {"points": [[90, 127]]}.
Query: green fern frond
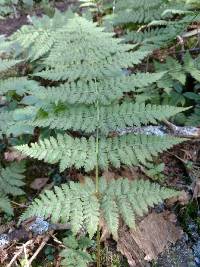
{"points": [[16, 122], [190, 67], [128, 150], [38, 38], [19, 85], [138, 11], [75, 253], [194, 119], [11, 181], [117, 198], [175, 71], [60, 72], [86, 92], [6, 64], [157, 36], [106, 54], [5, 204], [111, 117]]}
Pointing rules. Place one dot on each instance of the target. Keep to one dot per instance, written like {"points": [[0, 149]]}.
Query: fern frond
{"points": [[78, 69], [105, 91], [190, 67], [11, 181], [16, 122], [117, 198], [176, 71], [129, 150], [111, 117], [6, 64], [137, 11], [20, 85], [5, 204], [98, 49], [73, 255], [37, 39], [194, 119]]}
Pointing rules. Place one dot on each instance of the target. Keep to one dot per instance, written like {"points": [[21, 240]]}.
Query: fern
{"points": [[84, 118], [108, 57], [93, 95], [15, 122], [75, 253], [194, 119], [116, 198], [108, 89], [38, 38], [20, 85], [6, 64], [11, 181], [129, 150], [160, 26], [177, 72], [138, 11]]}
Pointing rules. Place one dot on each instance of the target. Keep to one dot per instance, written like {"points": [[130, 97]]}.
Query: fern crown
{"points": [[88, 65]]}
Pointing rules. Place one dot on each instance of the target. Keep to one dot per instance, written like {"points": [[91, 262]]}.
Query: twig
{"points": [[25, 256], [19, 253], [19, 205], [191, 33], [57, 241], [45, 240]]}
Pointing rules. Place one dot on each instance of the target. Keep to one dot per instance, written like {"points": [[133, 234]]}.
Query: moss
{"points": [[111, 258]]}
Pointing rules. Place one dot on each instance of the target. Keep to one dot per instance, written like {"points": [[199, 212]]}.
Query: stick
{"points": [[19, 253], [159, 130], [45, 240]]}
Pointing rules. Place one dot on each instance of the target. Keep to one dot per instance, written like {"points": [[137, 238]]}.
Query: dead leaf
{"points": [[109, 175], [131, 173], [105, 234], [13, 155], [153, 234], [39, 183], [183, 198]]}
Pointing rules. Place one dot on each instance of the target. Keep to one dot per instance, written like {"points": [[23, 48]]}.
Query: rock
{"points": [[178, 255]]}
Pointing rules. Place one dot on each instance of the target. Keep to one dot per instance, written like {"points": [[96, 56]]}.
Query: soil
{"points": [[10, 24]]}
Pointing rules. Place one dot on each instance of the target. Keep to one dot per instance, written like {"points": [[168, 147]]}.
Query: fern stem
{"points": [[97, 151], [97, 181]]}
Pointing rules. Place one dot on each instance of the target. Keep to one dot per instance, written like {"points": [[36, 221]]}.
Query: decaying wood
{"points": [[29, 229], [127, 246], [151, 237]]}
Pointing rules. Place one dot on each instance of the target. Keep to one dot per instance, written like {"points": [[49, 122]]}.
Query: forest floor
{"points": [[182, 169]]}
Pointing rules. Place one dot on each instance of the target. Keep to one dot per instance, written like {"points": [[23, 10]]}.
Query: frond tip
{"points": [[118, 198]]}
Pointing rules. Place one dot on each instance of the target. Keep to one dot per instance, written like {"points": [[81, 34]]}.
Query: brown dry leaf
{"points": [[196, 192], [104, 230], [131, 173], [39, 183], [153, 234], [13, 155], [183, 198], [109, 175], [81, 178]]}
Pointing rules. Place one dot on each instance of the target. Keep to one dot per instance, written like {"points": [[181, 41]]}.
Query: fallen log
{"points": [[162, 130]]}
